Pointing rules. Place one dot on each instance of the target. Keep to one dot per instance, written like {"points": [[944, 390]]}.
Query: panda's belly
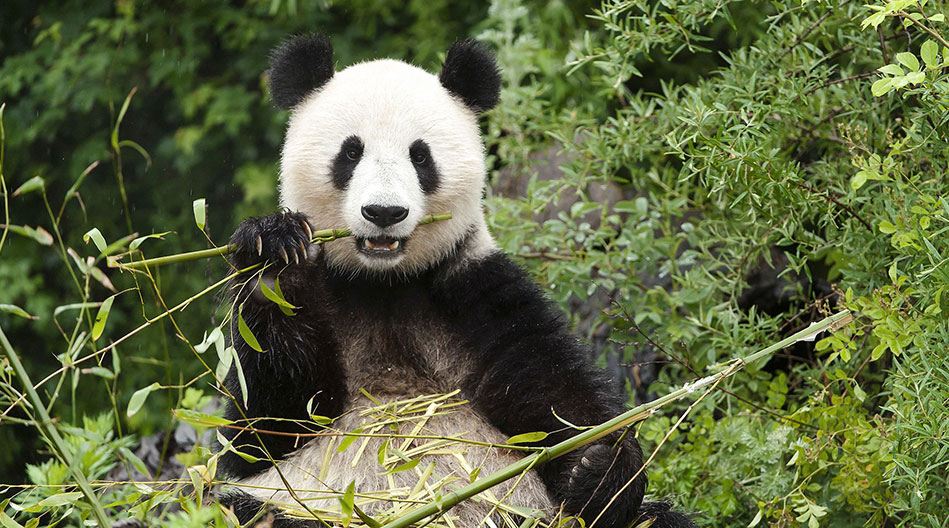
{"points": [[403, 387], [423, 429]]}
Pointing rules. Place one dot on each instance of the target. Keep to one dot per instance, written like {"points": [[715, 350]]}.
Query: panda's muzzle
{"points": [[380, 246]]}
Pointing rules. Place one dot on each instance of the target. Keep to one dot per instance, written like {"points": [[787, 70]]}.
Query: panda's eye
{"points": [[419, 158], [352, 154]]}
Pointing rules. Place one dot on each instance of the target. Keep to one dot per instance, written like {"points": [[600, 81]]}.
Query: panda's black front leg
{"points": [[526, 368], [299, 361]]}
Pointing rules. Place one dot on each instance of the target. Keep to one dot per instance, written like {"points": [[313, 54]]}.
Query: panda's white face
{"points": [[378, 148]]}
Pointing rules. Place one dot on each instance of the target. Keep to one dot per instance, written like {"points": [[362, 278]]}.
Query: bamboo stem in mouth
{"points": [[319, 237]]}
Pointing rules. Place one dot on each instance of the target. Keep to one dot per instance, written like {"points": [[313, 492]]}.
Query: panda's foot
{"points": [[281, 238], [598, 485]]}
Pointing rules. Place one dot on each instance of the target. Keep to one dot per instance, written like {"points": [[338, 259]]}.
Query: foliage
{"points": [[771, 162]]}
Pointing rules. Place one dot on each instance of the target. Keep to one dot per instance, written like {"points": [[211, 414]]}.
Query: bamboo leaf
{"points": [[16, 310], [524, 438], [240, 373], [200, 210], [245, 332], [405, 467], [35, 183], [346, 503], [200, 418], [96, 237], [101, 317], [138, 399], [348, 440], [59, 499], [370, 522], [138, 241]]}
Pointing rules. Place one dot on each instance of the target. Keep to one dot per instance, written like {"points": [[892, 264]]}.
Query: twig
{"points": [[830, 196], [844, 79], [319, 237], [807, 32], [934, 35], [590, 435]]}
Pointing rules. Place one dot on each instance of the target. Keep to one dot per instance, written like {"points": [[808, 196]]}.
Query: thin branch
{"points": [[807, 32], [925, 28], [830, 196], [841, 80]]}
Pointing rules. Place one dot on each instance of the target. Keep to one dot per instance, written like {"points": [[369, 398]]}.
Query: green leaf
{"points": [[405, 467], [754, 522], [858, 180], [135, 461], [370, 522], [101, 317], [33, 184], [881, 86], [96, 237], [7, 522], [245, 332], [59, 499], [346, 503], [929, 51], [138, 399], [138, 241], [240, 373], [348, 440], [892, 69], [909, 60], [200, 212], [276, 296], [858, 392], [16, 310], [200, 418], [886, 227], [524, 438]]}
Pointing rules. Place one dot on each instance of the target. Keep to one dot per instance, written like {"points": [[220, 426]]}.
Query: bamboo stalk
{"points": [[319, 237], [590, 435], [46, 426]]}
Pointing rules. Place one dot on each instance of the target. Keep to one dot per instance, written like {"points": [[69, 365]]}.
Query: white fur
{"points": [[388, 104]]}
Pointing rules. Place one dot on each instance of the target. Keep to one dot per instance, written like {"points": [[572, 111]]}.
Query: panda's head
{"points": [[381, 145]]}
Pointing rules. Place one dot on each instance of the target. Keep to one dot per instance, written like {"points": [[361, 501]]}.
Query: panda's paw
{"points": [[281, 238], [595, 486]]}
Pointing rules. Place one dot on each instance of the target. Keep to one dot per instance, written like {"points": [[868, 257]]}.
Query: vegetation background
{"points": [[692, 180]]}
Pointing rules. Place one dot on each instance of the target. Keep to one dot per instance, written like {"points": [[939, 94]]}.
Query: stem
{"points": [[319, 237], [922, 26], [590, 435], [45, 425]]}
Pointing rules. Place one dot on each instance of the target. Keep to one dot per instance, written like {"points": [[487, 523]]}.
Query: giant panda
{"points": [[403, 309]]}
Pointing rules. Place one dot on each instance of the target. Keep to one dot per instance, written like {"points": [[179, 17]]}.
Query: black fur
{"points": [[350, 152], [425, 167], [299, 358], [471, 73], [520, 364], [297, 67]]}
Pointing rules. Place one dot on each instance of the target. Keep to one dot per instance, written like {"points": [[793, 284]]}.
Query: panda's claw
{"points": [[284, 256], [306, 227], [260, 246]]}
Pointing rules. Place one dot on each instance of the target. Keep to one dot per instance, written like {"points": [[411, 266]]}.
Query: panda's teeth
{"points": [[394, 245]]}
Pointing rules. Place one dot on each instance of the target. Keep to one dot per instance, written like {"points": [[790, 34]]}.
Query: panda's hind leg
{"points": [[255, 513], [662, 516]]}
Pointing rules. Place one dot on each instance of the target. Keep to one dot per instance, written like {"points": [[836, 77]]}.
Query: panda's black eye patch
{"points": [[350, 152], [421, 157]]}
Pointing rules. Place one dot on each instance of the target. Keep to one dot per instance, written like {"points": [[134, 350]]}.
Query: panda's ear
{"points": [[471, 73], [297, 67]]}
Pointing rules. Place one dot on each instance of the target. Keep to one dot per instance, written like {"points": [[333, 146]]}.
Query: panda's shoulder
{"points": [[494, 283]]}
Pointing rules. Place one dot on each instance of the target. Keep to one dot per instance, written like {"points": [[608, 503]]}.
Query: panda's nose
{"points": [[384, 215]]}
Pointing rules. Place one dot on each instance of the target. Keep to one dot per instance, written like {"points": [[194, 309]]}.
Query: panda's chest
{"points": [[401, 349]]}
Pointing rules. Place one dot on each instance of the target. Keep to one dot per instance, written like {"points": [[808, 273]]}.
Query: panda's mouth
{"points": [[380, 246]]}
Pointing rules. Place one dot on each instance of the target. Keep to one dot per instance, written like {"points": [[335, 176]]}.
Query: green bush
{"points": [[805, 143]]}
